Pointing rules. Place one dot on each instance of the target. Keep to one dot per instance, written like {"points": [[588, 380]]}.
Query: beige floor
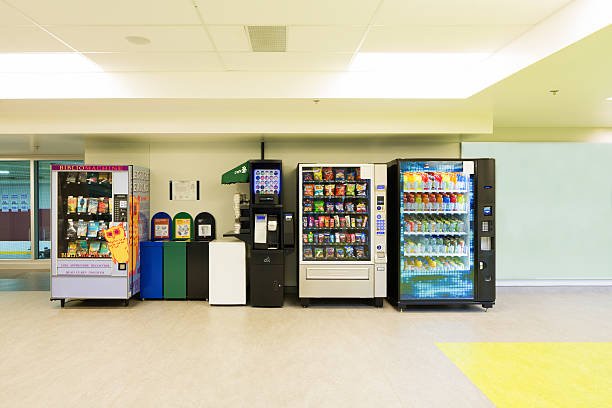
{"points": [[172, 353]]}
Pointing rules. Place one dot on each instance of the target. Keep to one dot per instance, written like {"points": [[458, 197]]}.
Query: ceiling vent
{"points": [[268, 38]]}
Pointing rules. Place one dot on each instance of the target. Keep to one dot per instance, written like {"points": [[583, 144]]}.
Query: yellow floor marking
{"points": [[537, 374]]}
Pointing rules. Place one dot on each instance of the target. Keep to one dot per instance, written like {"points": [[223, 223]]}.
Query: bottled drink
{"points": [[453, 202], [426, 202], [419, 202], [446, 202]]}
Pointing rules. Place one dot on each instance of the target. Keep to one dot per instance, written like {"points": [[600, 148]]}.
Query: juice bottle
{"points": [[438, 180], [426, 202], [461, 202], [432, 201], [410, 205], [425, 181], [440, 202], [409, 181], [418, 202]]}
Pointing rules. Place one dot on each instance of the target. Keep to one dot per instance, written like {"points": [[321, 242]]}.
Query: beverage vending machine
{"points": [[342, 231], [442, 230], [99, 214]]}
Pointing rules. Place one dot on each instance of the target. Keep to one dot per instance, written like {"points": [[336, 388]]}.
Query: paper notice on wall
{"points": [[185, 190]]}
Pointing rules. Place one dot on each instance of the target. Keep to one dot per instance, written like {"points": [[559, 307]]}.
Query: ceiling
{"points": [[199, 50]]}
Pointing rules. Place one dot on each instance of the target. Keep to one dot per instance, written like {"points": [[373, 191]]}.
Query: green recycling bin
{"points": [[175, 270]]}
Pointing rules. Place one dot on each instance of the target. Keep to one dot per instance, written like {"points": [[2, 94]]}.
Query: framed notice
{"points": [[185, 190], [182, 228]]}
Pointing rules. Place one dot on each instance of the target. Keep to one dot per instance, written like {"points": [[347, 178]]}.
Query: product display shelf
{"points": [[335, 228], [436, 254], [356, 243], [450, 212], [436, 233]]}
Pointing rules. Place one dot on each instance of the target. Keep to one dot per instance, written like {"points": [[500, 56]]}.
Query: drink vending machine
{"points": [[441, 232]]}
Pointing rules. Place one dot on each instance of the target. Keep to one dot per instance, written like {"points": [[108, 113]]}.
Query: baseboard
{"points": [[554, 282]]}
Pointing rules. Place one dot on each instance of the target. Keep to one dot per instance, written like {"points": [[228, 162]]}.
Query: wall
{"points": [[554, 209], [208, 160]]}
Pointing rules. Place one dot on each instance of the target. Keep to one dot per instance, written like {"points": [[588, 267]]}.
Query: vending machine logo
{"points": [[117, 243]]}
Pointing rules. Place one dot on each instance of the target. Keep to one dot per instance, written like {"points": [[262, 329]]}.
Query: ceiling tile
{"points": [[11, 17], [109, 12], [440, 38], [287, 12], [230, 38], [28, 39], [112, 39], [324, 38], [286, 61], [155, 61], [472, 12]]}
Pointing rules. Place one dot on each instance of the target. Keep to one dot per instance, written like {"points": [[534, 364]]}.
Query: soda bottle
{"points": [[453, 202], [432, 202], [426, 202], [461, 202], [418, 202], [440, 201], [438, 180], [446, 202], [453, 181], [410, 205], [425, 180]]}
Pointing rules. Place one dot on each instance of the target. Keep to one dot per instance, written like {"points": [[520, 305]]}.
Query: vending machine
{"points": [[342, 231], [99, 215], [442, 230]]}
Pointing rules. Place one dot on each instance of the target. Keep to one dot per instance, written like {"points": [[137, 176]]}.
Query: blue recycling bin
{"points": [[151, 270]]}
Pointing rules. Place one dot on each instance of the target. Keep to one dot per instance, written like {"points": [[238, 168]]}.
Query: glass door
{"points": [[335, 211], [15, 211], [435, 233], [84, 212]]}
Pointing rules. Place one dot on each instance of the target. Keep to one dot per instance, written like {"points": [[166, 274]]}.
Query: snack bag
{"points": [[331, 222], [307, 252], [318, 253], [342, 237], [310, 237], [339, 252], [320, 238], [340, 206], [308, 190], [350, 189], [340, 189], [361, 207], [329, 206], [337, 221], [330, 252], [329, 189], [72, 204], [305, 238], [340, 174], [326, 222], [349, 207], [317, 175], [350, 252], [362, 189], [359, 252], [319, 206], [328, 174], [307, 176], [307, 205], [351, 174], [318, 190]]}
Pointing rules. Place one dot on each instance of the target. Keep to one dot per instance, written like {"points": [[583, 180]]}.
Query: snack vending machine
{"points": [[342, 230], [442, 230], [99, 215]]}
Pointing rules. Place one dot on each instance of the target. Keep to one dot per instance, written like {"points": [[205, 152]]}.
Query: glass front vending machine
{"points": [[98, 216], [342, 231], [442, 232]]}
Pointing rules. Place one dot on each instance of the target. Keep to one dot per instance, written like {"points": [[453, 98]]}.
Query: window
{"points": [[19, 211], [15, 203]]}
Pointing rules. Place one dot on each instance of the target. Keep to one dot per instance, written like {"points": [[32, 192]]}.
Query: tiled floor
{"points": [[187, 353], [23, 280]]}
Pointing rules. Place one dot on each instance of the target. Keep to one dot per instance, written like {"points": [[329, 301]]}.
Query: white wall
{"points": [[208, 160], [554, 209]]}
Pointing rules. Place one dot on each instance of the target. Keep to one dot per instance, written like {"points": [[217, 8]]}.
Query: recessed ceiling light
{"points": [[609, 99], [137, 40], [411, 62], [46, 62], [4, 172]]}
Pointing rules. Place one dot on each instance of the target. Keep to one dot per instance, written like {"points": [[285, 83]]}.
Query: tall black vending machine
{"points": [[271, 231], [442, 226]]}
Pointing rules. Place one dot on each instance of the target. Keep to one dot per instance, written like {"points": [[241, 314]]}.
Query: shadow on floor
{"points": [[24, 280]]}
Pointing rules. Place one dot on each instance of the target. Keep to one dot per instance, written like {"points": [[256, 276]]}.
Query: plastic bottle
{"points": [[446, 202], [418, 200], [453, 202], [426, 202]]}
